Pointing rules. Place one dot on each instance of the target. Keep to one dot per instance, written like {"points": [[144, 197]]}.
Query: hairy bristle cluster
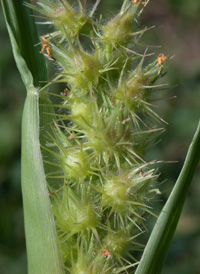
{"points": [[100, 137]]}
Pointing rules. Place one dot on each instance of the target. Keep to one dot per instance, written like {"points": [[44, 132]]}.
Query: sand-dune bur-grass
{"points": [[90, 182]]}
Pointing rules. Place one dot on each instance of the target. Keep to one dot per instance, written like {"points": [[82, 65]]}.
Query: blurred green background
{"points": [[177, 30]]}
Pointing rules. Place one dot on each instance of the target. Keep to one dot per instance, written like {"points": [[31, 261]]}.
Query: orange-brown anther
{"points": [[72, 136], [105, 252], [48, 51], [144, 174], [45, 46], [161, 58], [112, 101], [65, 91], [149, 127], [44, 39], [136, 1]]}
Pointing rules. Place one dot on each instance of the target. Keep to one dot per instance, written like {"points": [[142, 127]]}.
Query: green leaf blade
{"points": [[41, 238], [156, 250], [25, 43]]}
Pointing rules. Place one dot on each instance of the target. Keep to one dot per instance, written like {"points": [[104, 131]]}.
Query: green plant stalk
{"points": [[156, 250]]}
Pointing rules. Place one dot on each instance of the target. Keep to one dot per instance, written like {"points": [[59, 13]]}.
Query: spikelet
{"points": [[101, 134]]}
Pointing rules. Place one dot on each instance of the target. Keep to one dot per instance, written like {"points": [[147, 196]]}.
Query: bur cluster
{"points": [[105, 124]]}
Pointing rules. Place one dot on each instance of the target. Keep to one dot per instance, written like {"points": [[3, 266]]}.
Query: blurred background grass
{"points": [[177, 30]]}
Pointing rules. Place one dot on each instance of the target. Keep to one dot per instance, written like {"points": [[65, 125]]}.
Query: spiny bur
{"points": [[105, 124]]}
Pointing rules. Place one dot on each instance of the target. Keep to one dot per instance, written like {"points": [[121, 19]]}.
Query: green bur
{"points": [[92, 163]]}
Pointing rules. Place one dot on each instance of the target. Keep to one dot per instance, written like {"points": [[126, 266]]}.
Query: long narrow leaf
{"points": [[41, 238], [156, 251], [24, 40]]}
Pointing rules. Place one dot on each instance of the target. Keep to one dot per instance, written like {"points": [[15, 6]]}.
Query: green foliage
{"points": [[37, 209], [20, 24], [158, 245]]}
